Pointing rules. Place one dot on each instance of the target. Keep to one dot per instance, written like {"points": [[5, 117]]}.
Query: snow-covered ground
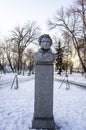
{"points": [[76, 77], [17, 105]]}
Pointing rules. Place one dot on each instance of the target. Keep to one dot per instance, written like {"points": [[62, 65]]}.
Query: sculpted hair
{"points": [[44, 36]]}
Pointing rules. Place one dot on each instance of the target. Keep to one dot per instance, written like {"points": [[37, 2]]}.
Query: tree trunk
{"points": [[10, 63]]}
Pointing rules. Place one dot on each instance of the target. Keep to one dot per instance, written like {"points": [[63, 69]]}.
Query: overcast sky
{"points": [[19, 12]]}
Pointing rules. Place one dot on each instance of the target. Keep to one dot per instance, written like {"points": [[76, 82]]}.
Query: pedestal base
{"points": [[43, 123]]}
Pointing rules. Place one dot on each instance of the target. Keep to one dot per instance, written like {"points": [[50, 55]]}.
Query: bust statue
{"points": [[44, 54]]}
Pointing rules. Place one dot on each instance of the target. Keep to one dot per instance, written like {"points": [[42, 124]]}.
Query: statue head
{"points": [[45, 42]]}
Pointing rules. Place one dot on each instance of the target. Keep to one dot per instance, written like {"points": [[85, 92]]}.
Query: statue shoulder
{"points": [[37, 55]]}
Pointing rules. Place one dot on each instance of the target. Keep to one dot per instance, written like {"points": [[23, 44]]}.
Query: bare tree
{"points": [[2, 59], [29, 59], [22, 37], [81, 11], [9, 53], [72, 25]]}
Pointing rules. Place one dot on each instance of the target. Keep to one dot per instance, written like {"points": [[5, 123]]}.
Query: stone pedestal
{"points": [[43, 107]]}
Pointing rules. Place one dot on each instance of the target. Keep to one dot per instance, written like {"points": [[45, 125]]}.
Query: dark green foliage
{"points": [[59, 57]]}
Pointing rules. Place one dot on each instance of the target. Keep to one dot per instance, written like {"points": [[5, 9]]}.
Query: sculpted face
{"points": [[44, 54], [45, 43]]}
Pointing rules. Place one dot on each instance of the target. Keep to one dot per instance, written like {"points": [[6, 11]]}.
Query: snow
{"points": [[70, 107], [77, 77], [17, 105]]}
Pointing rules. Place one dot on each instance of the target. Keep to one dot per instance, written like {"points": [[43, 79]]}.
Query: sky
{"points": [[19, 12]]}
